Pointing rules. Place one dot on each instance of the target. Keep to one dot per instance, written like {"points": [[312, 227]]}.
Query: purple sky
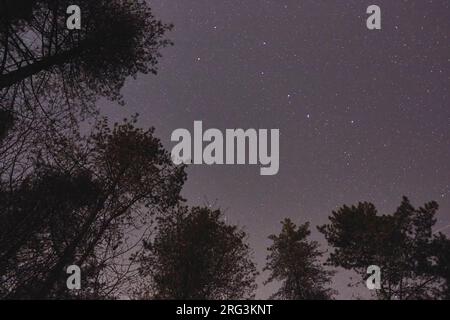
{"points": [[364, 115]]}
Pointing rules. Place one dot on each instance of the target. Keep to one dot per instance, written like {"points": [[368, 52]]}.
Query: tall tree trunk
{"points": [[16, 76]]}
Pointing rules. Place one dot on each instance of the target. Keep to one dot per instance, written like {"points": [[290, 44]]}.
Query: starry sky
{"points": [[363, 115]]}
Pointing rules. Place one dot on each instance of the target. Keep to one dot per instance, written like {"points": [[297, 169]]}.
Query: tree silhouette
{"points": [[83, 205], [196, 255], [118, 39], [66, 198], [413, 261], [441, 252], [50, 77], [44, 209], [295, 262]]}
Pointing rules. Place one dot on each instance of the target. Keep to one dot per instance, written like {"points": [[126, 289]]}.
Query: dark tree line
{"points": [[51, 77], [196, 255], [68, 197], [414, 261], [79, 205], [108, 198], [297, 263]]}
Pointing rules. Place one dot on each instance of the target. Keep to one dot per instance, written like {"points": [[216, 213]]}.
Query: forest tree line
{"points": [[108, 199]]}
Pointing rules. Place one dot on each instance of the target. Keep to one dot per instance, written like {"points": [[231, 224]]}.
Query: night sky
{"points": [[363, 115]]}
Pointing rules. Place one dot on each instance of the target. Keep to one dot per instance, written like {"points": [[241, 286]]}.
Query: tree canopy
{"points": [[195, 255], [296, 262], [413, 260], [118, 39], [79, 206], [51, 77]]}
